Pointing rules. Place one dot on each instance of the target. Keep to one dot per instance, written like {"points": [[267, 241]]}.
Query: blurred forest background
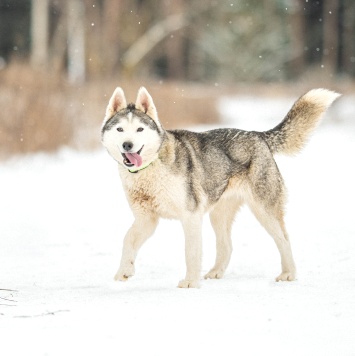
{"points": [[61, 60]]}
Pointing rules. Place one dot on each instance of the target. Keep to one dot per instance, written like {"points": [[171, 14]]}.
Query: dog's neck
{"points": [[167, 146], [140, 168]]}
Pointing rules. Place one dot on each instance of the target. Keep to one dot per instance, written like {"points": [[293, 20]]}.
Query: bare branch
{"points": [[43, 314], [150, 39]]}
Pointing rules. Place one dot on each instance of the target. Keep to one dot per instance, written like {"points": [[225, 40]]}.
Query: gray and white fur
{"points": [[179, 174]]}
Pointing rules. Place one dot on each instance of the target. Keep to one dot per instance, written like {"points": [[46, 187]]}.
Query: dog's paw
{"points": [[124, 273], [185, 283], [214, 273], [286, 277]]}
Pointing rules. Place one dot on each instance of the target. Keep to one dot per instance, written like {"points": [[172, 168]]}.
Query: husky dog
{"points": [[178, 174]]}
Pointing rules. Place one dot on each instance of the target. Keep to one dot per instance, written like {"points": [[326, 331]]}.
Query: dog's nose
{"points": [[127, 146]]}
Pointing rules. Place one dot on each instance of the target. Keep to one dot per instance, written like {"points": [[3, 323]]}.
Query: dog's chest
{"points": [[162, 195]]}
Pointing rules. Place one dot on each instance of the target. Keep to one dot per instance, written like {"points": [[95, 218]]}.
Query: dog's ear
{"points": [[145, 103], [116, 103]]}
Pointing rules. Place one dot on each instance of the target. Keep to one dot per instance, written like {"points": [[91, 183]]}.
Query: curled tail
{"points": [[292, 133]]}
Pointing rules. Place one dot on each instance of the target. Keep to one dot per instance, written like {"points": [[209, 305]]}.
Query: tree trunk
{"points": [[297, 38], [76, 41], [174, 43], [111, 15], [39, 33], [348, 41], [94, 45], [58, 45], [330, 36]]}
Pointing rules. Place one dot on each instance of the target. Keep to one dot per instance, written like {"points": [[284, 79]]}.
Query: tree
{"points": [[347, 37], [76, 41], [297, 38], [39, 33], [110, 30], [174, 45], [330, 36]]}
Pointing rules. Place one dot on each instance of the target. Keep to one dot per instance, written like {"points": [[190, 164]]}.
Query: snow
{"points": [[63, 218]]}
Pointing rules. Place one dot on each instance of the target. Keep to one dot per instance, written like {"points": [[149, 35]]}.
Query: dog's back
{"points": [[210, 159]]}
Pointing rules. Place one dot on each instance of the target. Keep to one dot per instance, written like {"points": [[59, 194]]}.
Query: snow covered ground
{"points": [[62, 221]]}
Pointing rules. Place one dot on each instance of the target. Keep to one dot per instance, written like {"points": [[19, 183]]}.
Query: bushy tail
{"points": [[292, 133]]}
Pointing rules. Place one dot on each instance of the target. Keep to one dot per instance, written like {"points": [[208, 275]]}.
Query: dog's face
{"points": [[132, 133]]}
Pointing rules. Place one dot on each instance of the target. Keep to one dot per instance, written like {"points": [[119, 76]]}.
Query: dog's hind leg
{"points": [[221, 218], [266, 196], [143, 227], [274, 225]]}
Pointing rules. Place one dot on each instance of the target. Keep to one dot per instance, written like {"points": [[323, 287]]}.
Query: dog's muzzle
{"points": [[131, 159]]}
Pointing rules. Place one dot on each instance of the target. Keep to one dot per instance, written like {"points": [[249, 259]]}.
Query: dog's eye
{"points": [[140, 129], [119, 129]]}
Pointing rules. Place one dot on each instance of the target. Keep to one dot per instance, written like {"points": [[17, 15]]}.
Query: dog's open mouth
{"points": [[132, 159]]}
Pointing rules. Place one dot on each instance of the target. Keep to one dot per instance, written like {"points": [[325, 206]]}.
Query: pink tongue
{"points": [[134, 158]]}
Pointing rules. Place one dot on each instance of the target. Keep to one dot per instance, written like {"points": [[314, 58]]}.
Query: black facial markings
{"points": [[131, 107], [144, 118], [110, 123]]}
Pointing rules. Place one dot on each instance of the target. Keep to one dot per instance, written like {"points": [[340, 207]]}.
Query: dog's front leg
{"points": [[143, 227], [193, 251]]}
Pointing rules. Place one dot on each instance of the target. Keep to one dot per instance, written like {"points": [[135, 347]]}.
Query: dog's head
{"points": [[132, 133]]}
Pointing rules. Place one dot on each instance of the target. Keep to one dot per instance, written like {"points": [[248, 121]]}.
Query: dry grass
{"points": [[33, 117], [40, 112]]}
